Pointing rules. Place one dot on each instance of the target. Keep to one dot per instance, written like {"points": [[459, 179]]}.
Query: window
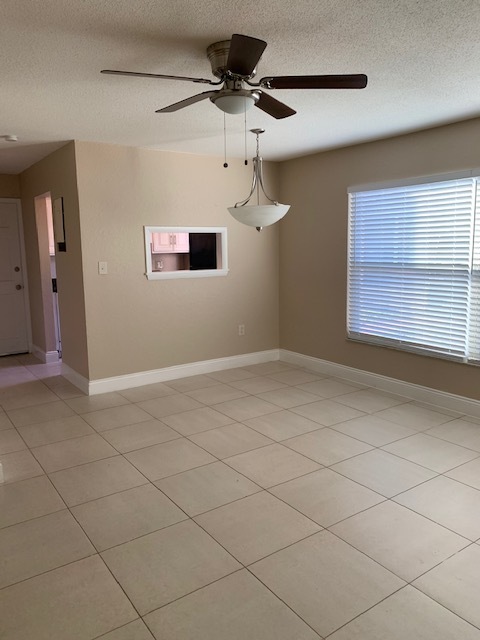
{"points": [[414, 266], [185, 252]]}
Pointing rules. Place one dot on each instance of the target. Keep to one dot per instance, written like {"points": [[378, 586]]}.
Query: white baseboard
{"points": [[441, 399], [450, 401], [131, 380], [45, 356], [75, 378]]}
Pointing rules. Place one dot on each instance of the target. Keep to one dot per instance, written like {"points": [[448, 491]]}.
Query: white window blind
{"points": [[414, 267]]}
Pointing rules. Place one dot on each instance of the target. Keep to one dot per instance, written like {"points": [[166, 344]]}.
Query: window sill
{"points": [[174, 275]]}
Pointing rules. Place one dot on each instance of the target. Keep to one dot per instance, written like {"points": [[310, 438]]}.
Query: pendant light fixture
{"points": [[258, 215]]}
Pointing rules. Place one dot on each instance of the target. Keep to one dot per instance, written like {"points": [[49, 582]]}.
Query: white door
{"points": [[13, 319]]}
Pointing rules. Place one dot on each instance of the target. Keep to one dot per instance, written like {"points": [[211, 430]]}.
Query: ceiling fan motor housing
{"points": [[218, 55]]}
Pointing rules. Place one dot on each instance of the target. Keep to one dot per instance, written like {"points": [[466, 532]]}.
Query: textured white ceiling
{"points": [[421, 57]]}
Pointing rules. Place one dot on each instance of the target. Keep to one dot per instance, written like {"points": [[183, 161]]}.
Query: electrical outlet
{"points": [[241, 329], [102, 268]]}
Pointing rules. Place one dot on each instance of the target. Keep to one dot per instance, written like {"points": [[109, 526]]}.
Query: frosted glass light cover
{"points": [[261, 215], [234, 104]]}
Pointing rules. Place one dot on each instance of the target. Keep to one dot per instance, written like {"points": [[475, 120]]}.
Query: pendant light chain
{"points": [[258, 168], [225, 163], [245, 130]]}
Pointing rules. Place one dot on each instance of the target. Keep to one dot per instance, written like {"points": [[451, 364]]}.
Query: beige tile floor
{"points": [[260, 503]]}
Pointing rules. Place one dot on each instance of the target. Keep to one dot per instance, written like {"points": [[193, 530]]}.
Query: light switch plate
{"points": [[102, 268]]}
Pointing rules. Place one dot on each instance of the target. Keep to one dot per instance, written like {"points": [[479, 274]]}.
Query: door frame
{"points": [[23, 261], [55, 354]]}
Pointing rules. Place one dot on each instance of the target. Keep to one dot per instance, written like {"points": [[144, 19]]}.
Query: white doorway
{"points": [[48, 279], [14, 314]]}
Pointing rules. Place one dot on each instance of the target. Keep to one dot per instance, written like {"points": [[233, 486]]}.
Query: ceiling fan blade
{"points": [[244, 54], [139, 74], [351, 81], [187, 102], [274, 107]]}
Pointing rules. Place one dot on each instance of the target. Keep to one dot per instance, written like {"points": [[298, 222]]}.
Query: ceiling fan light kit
{"points": [[234, 104], [258, 215]]}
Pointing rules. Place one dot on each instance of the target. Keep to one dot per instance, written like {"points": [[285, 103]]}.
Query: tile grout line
{"points": [[366, 611], [441, 604], [407, 582]]}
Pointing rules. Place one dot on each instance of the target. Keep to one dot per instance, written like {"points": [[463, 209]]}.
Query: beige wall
{"points": [[313, 246], [136, 325], [9, 186], [56, 174]]}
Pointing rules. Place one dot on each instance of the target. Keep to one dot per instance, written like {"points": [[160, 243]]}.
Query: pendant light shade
{"points": [[258, 215]]}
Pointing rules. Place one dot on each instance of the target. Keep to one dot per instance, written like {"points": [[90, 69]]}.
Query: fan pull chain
{"points": [[225, 164], [245, 129]]}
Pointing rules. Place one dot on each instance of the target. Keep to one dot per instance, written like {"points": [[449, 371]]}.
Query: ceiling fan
{"points": [[234, 62]]}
